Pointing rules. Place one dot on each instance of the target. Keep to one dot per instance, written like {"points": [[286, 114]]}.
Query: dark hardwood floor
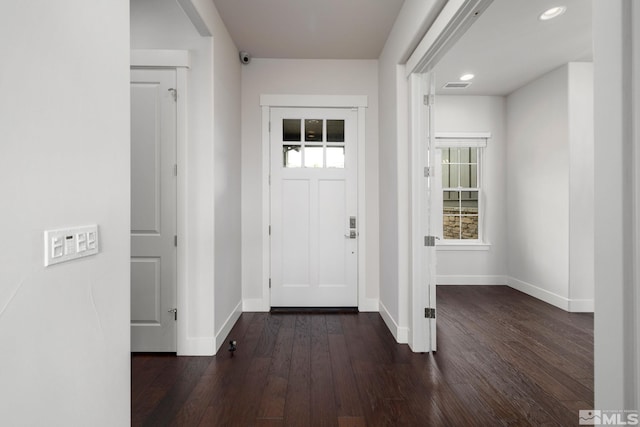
{"points": [[503, 358]]}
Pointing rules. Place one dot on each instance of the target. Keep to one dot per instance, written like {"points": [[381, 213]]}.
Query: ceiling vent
{"points": [[456, 85]]}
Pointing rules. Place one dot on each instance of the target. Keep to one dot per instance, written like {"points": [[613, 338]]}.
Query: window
{"points": [[323, 145], [460, 162], [460, 193]]}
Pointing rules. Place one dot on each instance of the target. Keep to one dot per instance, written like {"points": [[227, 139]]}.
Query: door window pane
{"points": [[291, 129], [313, 156], [335, 157], [292, 156], [335, 130], [313, 130]]}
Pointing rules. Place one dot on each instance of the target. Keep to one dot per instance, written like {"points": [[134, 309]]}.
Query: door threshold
{"points": [[314, 310]]}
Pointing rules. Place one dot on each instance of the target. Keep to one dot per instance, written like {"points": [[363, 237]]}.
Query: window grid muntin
{"points": [[455, 156], [308, 142]]}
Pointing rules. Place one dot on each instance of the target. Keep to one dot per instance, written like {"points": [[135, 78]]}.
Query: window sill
{"points": [[463, 246]]}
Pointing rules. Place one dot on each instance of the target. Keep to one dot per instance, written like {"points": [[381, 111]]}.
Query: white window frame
{"points": [[462, 139]]}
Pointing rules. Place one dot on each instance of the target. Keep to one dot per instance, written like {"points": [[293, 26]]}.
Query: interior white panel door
{"points": [[314, 226], [153, 210]]}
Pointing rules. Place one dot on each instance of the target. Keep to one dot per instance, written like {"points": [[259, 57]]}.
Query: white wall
{"points": [[64, 161], [549, 186], [228, 163], [538, 185], [413, 20], [617, 200], [581, 185], [212, 165], [302, 77], [473, 265]]}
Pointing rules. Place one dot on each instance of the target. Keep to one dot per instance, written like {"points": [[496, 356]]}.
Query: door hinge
{"points": [[427, 171], [269, 282], [175, 313], [429, 313], [175, 169], [269, 127], [175, 240], [428, 99], [269, 230], [174, 93], [430, 240]]}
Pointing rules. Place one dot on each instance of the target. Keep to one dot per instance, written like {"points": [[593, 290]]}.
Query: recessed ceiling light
{"points": [[466, 77], [551, 13]]}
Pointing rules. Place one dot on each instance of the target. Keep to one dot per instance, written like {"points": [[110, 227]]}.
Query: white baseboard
{"points": [[198, 346], [470, 280], [401, 334], [574, 306], [228, 325], [369, 304], [581, 306], [255, 305]]}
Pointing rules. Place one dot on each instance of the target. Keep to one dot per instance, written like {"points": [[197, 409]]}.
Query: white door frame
{"points": [[452, 22], [317, 101], [178, 60]]}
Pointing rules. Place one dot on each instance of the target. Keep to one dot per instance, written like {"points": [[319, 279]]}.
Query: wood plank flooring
{"points": [[503, 358]]}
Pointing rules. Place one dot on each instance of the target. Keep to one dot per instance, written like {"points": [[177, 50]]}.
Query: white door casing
{"points": [[314, 204], [153, 210], [423, 277]]}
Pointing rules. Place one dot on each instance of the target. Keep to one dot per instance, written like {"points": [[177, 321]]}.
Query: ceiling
{"points": [[509, 46], [310, 29], [506, 48]]}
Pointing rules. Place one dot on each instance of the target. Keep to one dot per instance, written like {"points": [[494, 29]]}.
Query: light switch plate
{"points": [[66, 244]]}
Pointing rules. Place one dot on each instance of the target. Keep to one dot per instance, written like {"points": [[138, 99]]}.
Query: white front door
{"points": [[314, 220], [153, 210]]}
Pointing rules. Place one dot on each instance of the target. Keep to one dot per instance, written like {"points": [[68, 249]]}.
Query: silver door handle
{"points": [[352, 235]]}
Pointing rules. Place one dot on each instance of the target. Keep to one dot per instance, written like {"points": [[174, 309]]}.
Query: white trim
{"points": [[156, 59], [550, 297], [401, 334], [194, 16], [363, 302], [312, 101], [461, 142], [369, 305], [197, 346], [452, 22], [443, 246], [539, 293], [160, 58], [466, 280], [224, 331], [256, 305], [182, 187], [581, 306], [570, 305], [635, 119], [463, 135], [266, 208], [419, 339]]}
